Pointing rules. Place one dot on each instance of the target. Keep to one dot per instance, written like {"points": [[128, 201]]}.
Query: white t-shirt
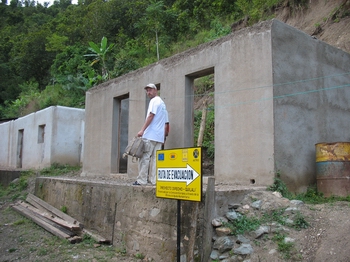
{"points": [[155, 131]]}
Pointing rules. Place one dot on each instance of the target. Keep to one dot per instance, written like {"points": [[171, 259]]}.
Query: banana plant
{"points": [[100, 53]]}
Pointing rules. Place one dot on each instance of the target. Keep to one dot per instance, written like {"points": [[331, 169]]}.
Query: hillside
{"points": [[328, 21]]}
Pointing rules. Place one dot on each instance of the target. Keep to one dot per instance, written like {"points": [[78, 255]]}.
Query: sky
{"points": [[50, 1]]}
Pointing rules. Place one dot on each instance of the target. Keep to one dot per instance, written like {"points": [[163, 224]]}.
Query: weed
{"points": [[284, 247], [64, 209], [279, 186], [275, 215], [19, 222], [87, 239], [243, 224], [11, 250], [139, 256], [300, 222]]}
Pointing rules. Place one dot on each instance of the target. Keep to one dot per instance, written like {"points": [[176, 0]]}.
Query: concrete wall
{"points": [[311, 102], [253, 137], [52, 135], [132, 217]]}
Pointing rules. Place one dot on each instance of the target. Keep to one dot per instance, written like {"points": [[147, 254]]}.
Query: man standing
{"points": [[152, 133]]}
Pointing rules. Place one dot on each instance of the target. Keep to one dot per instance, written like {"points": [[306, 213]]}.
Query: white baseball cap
{"points": [[150, 85]]}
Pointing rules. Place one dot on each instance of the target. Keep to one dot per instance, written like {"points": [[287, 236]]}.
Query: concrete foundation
{"points": [[135, 219]]}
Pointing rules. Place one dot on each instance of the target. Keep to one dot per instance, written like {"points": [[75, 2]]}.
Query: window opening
{"points": [[41, 134]]}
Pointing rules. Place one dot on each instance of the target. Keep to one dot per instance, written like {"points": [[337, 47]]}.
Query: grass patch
{"points": [[311, 196], [15, 190], [284, 247], [58, 170], [243, 224]]}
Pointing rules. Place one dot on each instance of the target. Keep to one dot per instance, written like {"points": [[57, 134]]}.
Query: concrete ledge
{"points": [[133, 218], [7, 176]]}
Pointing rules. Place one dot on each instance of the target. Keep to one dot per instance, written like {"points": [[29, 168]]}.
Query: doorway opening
{"points": [[203, 86], [120, 130]]}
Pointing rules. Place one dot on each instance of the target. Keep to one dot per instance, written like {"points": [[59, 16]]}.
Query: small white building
{"points": [[40, 139]]}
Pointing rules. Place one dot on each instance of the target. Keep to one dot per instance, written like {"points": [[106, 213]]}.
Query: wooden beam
{"points": [[50, 216], [29, 214], [35, 201]]}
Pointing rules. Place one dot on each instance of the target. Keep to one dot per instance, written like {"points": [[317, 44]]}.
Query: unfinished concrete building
{"points": [[40, 139], [278, 92]]}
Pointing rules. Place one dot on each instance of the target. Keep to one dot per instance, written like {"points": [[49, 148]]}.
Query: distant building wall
{"points": [[269, 110], [52, 135]]}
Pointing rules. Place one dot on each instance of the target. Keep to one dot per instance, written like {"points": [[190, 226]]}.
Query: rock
{"points": [[261, 230], [234, 206], [214, 254], [289, 240], [277, 194], [224, 256], [223, 244], [257, 204], [223, 231], [297, 202], [291, 210], [231, 215], [244, 249], [242, 239], [217, 222]]}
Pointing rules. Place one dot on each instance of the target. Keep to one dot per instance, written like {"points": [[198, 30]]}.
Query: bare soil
{"points": [[326, 239]]}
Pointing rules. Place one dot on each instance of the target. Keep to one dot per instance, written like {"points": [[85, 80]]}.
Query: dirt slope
{"points": [[328, 20]]}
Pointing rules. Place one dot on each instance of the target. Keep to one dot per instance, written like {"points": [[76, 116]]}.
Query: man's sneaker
{"points": [[136, 183]]}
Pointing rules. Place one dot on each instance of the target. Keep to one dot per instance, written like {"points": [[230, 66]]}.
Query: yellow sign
{"points": [[179, 174]]}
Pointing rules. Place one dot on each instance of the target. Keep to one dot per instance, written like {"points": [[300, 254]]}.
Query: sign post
{"points": [[179, 176]]}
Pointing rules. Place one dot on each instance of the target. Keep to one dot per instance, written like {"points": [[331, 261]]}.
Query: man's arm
{"points": [[146, 124]]}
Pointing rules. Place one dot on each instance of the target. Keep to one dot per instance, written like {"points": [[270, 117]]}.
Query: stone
{"points": [[223, 231], [297, 202], [214, 254], [244, 249], [234, 205], [242, 239], [217, 222], [257, 204], [261, 230], [231, 215], [223, 244]]}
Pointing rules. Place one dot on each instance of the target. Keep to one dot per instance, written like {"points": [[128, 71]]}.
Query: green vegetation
{"points": [[311, 196], [279, 186], [246, 224], [284, 247], [140, 256], [16, 189], [243, 224], [58, 170], [51, 55], [64, 209]]}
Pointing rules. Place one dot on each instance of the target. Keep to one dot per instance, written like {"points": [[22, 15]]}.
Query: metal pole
{"points": [[178, 229]]}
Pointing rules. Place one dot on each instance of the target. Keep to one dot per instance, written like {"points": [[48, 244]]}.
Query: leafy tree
{"points": [[153, 21]]}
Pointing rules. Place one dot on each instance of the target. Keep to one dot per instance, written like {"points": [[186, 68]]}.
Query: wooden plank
{"points": [[31, 198], [75, 239], [99, 239], [57, 220], [29, 214]]}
